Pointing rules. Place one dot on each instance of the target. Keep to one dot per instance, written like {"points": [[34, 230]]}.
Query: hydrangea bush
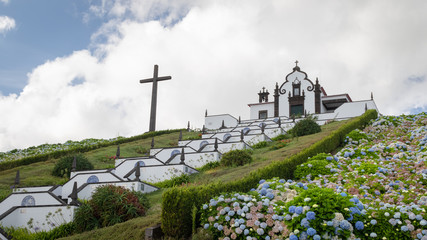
{"points": [[373, 188]]}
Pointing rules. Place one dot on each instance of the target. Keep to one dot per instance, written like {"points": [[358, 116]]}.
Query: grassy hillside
{"points": [[135, 229]]}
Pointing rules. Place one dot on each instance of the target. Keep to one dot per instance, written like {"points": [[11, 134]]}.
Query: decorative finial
{"points": [[73, 195], [203, 129], [241, 136], [137, 172], [296, 63], [366, 107], [74, 164], [263, 89], [372, 96], [216, 145], [118, 151], [280, 123], [17, 178], [188, 126], [206, 113], [222, 125], [182, 156], [296, 68], [240, 120], [317, 80]]}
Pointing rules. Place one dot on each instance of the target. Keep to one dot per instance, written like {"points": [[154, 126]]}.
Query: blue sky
{"points": [[70, 70], [45, 29]]}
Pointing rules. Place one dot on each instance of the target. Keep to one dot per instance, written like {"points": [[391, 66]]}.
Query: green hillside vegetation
{"points": [[263, 156]]}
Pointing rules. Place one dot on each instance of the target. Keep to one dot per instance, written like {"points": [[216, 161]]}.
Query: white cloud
{"points": [[219, 55], [6, 24], [4, 1]]}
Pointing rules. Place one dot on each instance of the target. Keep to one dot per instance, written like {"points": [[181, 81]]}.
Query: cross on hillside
{"points": [[154, 80]]}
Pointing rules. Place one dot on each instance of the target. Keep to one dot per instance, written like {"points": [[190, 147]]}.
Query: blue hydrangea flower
{"points": [[311, 215], [359, 225], [329, 158], [205, 206], [220, 228], [329, 223], [261, 181], [404, 228], [373, 221], [246, 232], [282, 181], [227, 218], [292, 209], [343, 194], [231, 213], [293, 237], [311, 231], [270, 195], [373, 235], [206, 226], [316, 237], [263, 225], [344, 224], [305, 223], [260, 231], [298, 210], [242, 226]]}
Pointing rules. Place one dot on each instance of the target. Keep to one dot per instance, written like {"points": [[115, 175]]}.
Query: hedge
{"points": [[178, 202], [60, 153]]}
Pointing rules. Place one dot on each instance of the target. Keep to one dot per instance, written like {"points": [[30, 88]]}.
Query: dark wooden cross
{"points": [[154, 80]]}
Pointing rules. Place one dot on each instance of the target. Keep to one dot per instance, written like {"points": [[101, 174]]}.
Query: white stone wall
{"points": [[226, 147], [33, 189], [215, 121], [154, 174], [127, 165], [309, 95], [196, 160], [255, 108], [38, 217], [15, 199], [81, 179], [72, 174], [195, 144], [164, 154]]}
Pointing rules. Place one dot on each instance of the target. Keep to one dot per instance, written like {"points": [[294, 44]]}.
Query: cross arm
{"points": [[148, 80]]}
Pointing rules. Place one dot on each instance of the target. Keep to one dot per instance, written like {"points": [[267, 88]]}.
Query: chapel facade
{"points": [[296, 96]]}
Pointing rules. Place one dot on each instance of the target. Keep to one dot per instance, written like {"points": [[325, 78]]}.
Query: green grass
{"points": [[135, 228]]}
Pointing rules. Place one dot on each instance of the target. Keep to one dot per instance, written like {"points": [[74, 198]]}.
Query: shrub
{"points": [[262, 144], [175, 181], [109, 205], [208, 166], [357, 135], [63, 230], [327, 209], [280, 144], [282, 137], [304, 127], [312, 168], [236, 158], [178, 202], [63, 166]]}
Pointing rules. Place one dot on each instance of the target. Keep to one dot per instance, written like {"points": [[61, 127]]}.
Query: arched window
{"points": [[203, 143], [28, 201], [246, 130], [175, 152], [226, 137], [92, 179]]}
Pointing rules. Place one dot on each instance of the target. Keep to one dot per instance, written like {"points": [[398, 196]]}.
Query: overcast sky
{"points": [[70, 70]]}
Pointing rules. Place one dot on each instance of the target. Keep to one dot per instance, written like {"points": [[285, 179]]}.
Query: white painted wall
{"points": [[164, 154], [126, 166], [72, 174], [15, 199], [33, 189], [89, 189], [196, 160], [40, 219], [154, 174], [255, 108], [215, 121], [81, 179], [226, 147], [195, 144], [309, 95]]}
